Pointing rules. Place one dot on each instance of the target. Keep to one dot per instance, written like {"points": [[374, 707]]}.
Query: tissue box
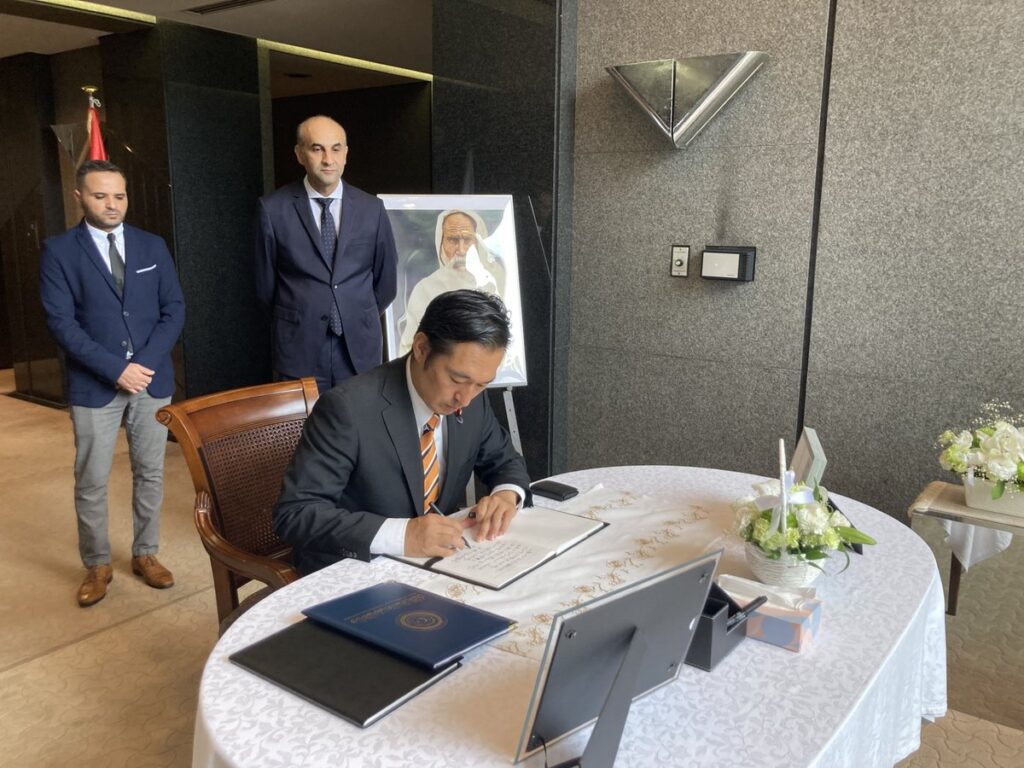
{"points": [[789, 628]]}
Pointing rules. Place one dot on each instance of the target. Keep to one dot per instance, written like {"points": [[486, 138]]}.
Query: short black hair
{"points": [[95, 166], [456, 317]]}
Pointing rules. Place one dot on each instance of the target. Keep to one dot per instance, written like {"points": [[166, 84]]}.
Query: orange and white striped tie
{"points": [[431, 470]]}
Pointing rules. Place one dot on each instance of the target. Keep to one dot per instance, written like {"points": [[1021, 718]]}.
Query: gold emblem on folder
{"points": [[423, 621]]}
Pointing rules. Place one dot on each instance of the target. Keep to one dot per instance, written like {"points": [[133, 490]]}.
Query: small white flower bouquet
{"points": [[810, 530], [993, 450]]}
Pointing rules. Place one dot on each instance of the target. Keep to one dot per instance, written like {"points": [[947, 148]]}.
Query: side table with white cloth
{"points": [[856, 697], [973, 534]]}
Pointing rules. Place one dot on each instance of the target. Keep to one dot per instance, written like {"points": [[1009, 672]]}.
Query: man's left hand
{"points": [[493, 514]]}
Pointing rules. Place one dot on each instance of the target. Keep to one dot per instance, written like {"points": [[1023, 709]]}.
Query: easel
{"points": [[513, 432]]}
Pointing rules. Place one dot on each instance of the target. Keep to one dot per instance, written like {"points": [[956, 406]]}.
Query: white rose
{"points": [[1006, 440], [974, 459], [1001, 467], [812, 519], [838, 520], [963, 440], [744, 519]]}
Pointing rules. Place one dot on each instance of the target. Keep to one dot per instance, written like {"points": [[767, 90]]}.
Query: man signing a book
{"points": [[384, 450]]}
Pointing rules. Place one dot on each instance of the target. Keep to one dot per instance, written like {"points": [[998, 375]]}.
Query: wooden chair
{"points": [[237, 445]]}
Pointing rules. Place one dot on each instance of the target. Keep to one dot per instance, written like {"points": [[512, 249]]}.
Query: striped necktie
{"points": [[431, 470]]}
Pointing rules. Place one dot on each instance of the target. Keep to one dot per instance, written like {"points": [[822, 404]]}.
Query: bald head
{"points": [[321, 147]]}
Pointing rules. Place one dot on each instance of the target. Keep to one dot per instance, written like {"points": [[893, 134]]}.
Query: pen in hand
{"points": [[744, 612], [437, 511]]}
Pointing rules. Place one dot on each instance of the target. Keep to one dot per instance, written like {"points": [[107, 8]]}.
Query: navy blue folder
{"points": [[425, 628]]}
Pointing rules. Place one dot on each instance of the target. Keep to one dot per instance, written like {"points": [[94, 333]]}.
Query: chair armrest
{"points": [[271, 572]]}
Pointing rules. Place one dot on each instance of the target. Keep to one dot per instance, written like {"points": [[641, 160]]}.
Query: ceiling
{"points": [[393, 32]]}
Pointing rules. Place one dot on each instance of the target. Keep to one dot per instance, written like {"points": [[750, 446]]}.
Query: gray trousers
{"points": [[95, 437]]}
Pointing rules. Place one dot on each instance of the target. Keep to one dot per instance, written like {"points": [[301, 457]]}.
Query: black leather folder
{"points": [[342, 675]]}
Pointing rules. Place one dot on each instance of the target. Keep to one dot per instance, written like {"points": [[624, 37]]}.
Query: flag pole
{"points": [[94, 149]]}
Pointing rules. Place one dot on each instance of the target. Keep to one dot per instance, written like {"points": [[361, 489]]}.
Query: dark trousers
{"points": [[333, 365]]}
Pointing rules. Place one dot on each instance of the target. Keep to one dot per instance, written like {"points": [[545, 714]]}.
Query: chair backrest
{"points": [[237, 445]]}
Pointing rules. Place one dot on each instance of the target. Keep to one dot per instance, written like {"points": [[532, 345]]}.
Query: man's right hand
{"points": [[433, 536], [135, 378]]}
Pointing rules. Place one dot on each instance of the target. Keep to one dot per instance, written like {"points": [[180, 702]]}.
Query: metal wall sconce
{"points": [[682, 95]]}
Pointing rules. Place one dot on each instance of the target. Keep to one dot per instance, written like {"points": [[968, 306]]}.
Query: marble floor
{"points": [[115, 684]]}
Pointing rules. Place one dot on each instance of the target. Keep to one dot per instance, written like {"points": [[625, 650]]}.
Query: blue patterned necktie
{"points": [[329, 238]]}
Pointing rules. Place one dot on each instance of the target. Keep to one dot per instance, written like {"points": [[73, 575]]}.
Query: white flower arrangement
{"points": [[812, 529], [992, 450]]}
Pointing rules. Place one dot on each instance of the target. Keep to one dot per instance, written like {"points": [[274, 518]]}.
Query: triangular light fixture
{"points": [[682, 95]]}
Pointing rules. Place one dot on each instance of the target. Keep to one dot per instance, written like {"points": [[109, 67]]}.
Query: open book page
{"points": [[535, 535], [493, 563], [545, 528]]}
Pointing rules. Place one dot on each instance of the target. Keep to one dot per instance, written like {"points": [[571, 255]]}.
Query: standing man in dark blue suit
{"points": [[113, 303], [325, 264]]}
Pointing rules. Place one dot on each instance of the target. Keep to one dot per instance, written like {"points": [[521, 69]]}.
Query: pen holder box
{"points": [[712, 641], [789, 628]]}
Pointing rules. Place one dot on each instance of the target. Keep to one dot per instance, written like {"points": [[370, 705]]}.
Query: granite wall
{"points": [[900, 293]]}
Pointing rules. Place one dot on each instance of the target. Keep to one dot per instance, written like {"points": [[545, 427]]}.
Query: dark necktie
{"points": [[116, 264], [329, 238]]}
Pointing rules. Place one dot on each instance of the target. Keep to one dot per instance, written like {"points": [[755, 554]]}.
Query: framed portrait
{"points": [[446, 243]]}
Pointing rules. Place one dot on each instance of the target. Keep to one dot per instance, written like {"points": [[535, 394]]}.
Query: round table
{"points": [[855, 697]]}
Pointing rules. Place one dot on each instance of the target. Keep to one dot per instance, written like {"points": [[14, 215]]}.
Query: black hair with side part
{"points": [[95, 166], [459, 316]]}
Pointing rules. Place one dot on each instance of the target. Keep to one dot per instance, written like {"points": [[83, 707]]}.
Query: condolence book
{"points": [[422, 627], [536, 535], [344, 676]]}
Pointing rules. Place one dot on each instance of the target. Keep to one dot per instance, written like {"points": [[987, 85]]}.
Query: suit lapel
{"points": [[131, 258], [89, 246], [305, 213], [456, 450], [345, 229], [401, 426]]}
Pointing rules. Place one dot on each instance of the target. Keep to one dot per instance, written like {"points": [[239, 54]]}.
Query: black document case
{"points": [[342, 675]]}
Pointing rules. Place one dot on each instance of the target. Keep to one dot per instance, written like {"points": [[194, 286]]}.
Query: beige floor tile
{"points": [[985, 655], [39, 549], [123, 697], [961, 740]]}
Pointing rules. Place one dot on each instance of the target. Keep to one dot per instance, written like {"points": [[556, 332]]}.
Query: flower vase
{"points": [[978, 495], [787, 571]]}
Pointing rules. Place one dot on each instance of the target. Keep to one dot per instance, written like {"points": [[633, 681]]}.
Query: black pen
{"points": [[437, 511], [745, 611]]}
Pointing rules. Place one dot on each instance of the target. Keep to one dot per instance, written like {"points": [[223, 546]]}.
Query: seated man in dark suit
{"points": [[383, 447]]}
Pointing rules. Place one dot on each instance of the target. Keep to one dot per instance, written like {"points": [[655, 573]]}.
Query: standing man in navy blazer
{"points": [[325, 265], [113, 303]]}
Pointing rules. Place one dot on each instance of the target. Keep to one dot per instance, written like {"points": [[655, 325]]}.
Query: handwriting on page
{"points": [[497, 561]]}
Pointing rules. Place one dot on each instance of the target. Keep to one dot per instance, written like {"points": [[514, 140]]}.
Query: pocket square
{"points": [[145, 269]]}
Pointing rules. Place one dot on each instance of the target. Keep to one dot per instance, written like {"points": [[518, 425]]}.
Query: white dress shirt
{"points": [[315, 207], [103, 244], [390, 538]]}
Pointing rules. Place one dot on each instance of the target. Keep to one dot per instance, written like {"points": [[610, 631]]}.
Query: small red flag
{"points": [[96, 149]]}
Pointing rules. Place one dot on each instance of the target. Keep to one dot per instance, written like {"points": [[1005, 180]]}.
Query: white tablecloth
{"points": [[855, 698], [974, 543]]}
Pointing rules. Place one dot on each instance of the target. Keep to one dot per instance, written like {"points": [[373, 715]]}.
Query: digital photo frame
{"points": [[606, 653]]}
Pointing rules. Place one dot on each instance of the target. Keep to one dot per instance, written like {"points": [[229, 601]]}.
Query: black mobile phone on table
{"points": [[551, 489]]}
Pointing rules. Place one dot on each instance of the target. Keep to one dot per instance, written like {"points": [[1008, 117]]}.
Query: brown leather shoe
{"points": [[154, 574], [94, 588]]}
